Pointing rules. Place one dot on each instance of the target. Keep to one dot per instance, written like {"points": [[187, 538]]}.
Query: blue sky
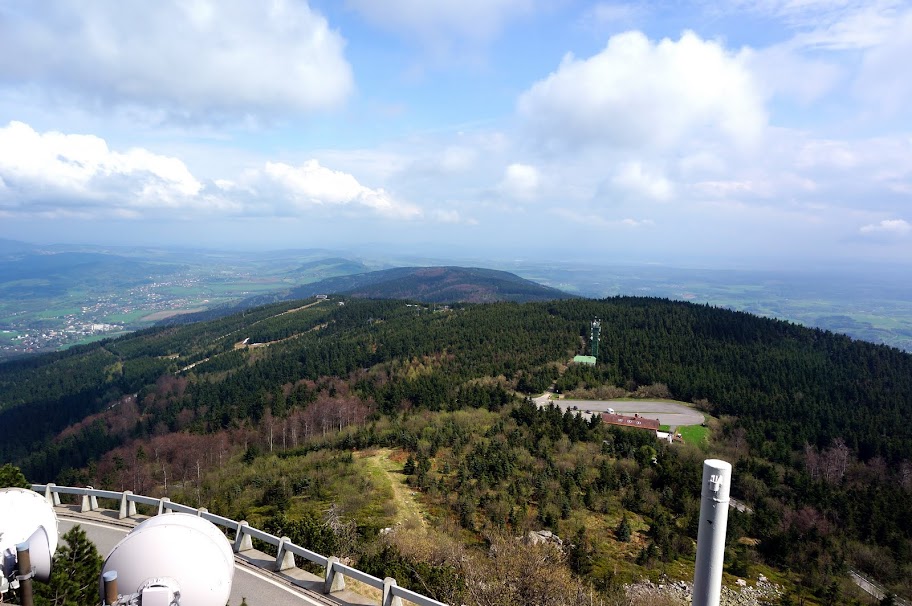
{"points": [[706, 133]]}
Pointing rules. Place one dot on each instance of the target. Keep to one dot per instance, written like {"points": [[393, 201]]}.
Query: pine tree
{"points": [[409, 467], [623, 530], [74, 575], [11, 476]]}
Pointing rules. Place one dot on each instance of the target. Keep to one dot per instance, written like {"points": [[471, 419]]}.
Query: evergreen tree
{"points": [[623, 530], [581, 553], [75, 574], [409, 468], [11, 476]]}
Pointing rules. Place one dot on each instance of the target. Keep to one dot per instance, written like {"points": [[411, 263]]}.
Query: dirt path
{"points": [[388, 472]]}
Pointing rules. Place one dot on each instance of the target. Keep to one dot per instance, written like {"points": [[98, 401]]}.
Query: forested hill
{"points": [[292, 395], [425, 284], [436, 285], [788, 385]]}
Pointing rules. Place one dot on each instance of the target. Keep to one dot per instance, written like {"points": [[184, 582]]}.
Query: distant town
{"points": [[108, 314]]}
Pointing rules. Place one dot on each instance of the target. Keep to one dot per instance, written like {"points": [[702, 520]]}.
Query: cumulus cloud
{"points": [[520, 181], [189, 59], [314, 185], [54, 167], [638, 93], [474, 19], [895, 227], [56, 174], [633, 177]]}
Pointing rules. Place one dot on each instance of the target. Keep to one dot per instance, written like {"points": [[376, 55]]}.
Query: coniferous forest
{"points": [[291, 416]]}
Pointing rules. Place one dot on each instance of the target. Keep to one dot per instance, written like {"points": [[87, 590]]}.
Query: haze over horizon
{"points": [[709, 133]]}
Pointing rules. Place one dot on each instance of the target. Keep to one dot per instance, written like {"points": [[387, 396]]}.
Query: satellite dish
{"points": [[40, 554], [26, 517], [176, 558]]}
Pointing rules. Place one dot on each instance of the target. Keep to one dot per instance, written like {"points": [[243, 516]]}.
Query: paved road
{"points": [[872, 588], [260, 588], [668, 413]]}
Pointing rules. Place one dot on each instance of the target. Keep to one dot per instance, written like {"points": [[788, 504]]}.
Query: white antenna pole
{"points": [[711, 535]]}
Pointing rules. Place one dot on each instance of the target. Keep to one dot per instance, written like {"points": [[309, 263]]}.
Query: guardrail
{"points": [[335, 571]]}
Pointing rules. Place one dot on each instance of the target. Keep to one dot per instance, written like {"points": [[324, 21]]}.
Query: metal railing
{"points": [[335, 571]]}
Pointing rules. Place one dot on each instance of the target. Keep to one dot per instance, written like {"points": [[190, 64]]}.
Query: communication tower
{"points": [[594, 337]]}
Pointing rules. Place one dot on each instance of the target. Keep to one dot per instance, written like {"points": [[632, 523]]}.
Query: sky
{"points": [[711, 132]]}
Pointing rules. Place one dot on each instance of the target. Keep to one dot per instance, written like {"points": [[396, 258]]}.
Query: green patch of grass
{"points": [[695, 434], [60, 312], [126, 317]]}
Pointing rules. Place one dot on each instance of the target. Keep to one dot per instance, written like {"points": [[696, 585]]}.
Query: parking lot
{"points": [[668, 413]]}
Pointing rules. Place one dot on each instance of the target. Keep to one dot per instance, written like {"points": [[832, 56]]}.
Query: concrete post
{"points": [[162, 505], [711, 535], [334, 581], [284, 558], [388, 598], [24, 565], [52, 497], [201, 511], [86, 504], [242, 540], [110, 587], [127, 507]]}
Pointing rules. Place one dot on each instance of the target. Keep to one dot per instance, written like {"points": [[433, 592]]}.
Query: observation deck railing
{"points": [[335, 571]]}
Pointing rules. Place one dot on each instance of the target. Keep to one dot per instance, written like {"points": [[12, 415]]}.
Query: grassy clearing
{"points": [[58, 313], [385, 470], [695, 434], [129, 317]]}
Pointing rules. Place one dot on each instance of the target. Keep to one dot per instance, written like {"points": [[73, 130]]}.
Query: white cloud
{"points": [[829, 24], [728, 189], [594, 219], [457, 158], [637, 93], [883, 82], [520, 181], [782, 71], [610, 14], [441, 19], [51, 166], [896, 227], [314, 185], [632, 177], [188, 59], [55, 175], [452, 217]]}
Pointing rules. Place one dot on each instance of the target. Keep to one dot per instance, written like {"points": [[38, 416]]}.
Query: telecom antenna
{"points": [[594, 337]]}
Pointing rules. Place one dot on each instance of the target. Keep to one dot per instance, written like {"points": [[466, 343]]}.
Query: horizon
{"points": [[415, 257], [734, 135]]}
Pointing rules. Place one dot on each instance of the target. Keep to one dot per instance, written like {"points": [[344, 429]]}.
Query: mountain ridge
{"points": [[435, 284]]}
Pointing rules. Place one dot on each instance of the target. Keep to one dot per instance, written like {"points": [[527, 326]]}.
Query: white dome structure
{"points": [[177, 557]]}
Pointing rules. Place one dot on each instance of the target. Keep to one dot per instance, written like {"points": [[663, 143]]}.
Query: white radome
{"points": [[178, 550]]}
